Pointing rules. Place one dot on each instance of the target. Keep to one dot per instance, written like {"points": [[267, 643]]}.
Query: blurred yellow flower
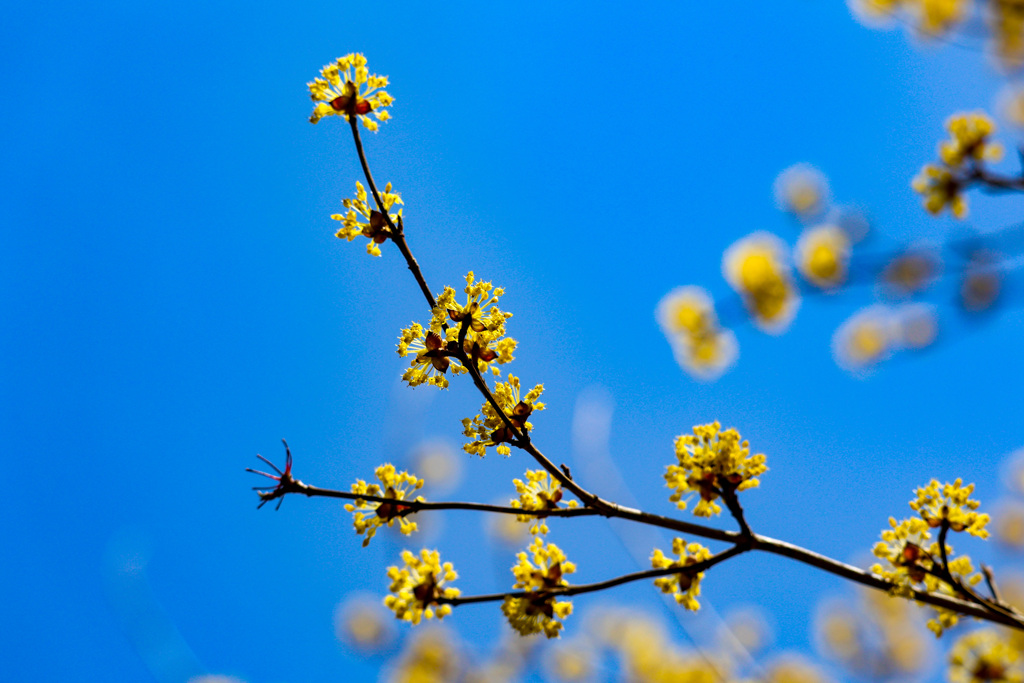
{"points": [[346, 88], [757, 268], [687, 317], [823, 255], [984, 656], [940, 189], [970, 140], [1006, 23], [865, 339], [803, 190]]}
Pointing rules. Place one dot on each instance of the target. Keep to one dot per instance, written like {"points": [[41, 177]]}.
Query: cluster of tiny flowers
{"points": [[950, 504], [687, 317], [684, 586], [363, 220], [538, 610], [346, 88], [711, 460], [370, 515], [911, 560], [969, 146], [489, 428], [434, 347], [802, 190], [757, 267], [418, 586], [823, 256], [984, 656], [540, 492]]}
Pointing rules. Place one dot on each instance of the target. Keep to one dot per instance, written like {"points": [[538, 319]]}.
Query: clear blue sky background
{"points": [[173, 299]]}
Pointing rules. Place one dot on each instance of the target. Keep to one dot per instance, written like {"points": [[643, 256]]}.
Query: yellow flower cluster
{"points": [[912, 559], [362, 219], [1006, 21], [539, 610], [539, 492], [802, 190], [370, 515], [950, 504], [489, 429], [823, 256], [757, 268], [346, 88], [687, 317], [485, 342], [984, 656], [970, 147], [711, 460], [419, 585], [684, 586]]}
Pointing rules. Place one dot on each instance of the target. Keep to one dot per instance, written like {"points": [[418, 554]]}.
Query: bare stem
{"points": [[569, 591]]}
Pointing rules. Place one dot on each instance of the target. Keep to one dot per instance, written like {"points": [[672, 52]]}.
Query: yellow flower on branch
{"points": [[940, 189], [970, 140], [1006, 22], [362, 219], [757, 268], [539, 610], [490, 429], [950, 504], [540, 492], [823, 255], [710, 461], [436, 348], [684, 586], [984, 656], [418, 586], [346, 88], [370, 515], [912, 561]]}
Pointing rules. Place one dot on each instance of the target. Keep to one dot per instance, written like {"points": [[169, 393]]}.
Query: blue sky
{"points": [[175, 300]]}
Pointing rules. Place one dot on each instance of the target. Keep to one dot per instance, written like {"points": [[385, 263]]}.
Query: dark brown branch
{"points": [[569, 591]]}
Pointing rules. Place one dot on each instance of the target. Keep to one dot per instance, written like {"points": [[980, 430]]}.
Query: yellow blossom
{"points": [[1006, 23], [436, 348], [687, 317], [970, 140], [984, 656], [539, 492], [419, 585], [685, 585], [822, 256], [940, 188], [370, 515], [489, 429], [1009, 524], [950, 504], [710, 461], [911, 561], [910, 272], [757, 268], [363, 220], [430, 655], [802, 190], [539, 610], [866, 338], [346, 88], [938, 17]]}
